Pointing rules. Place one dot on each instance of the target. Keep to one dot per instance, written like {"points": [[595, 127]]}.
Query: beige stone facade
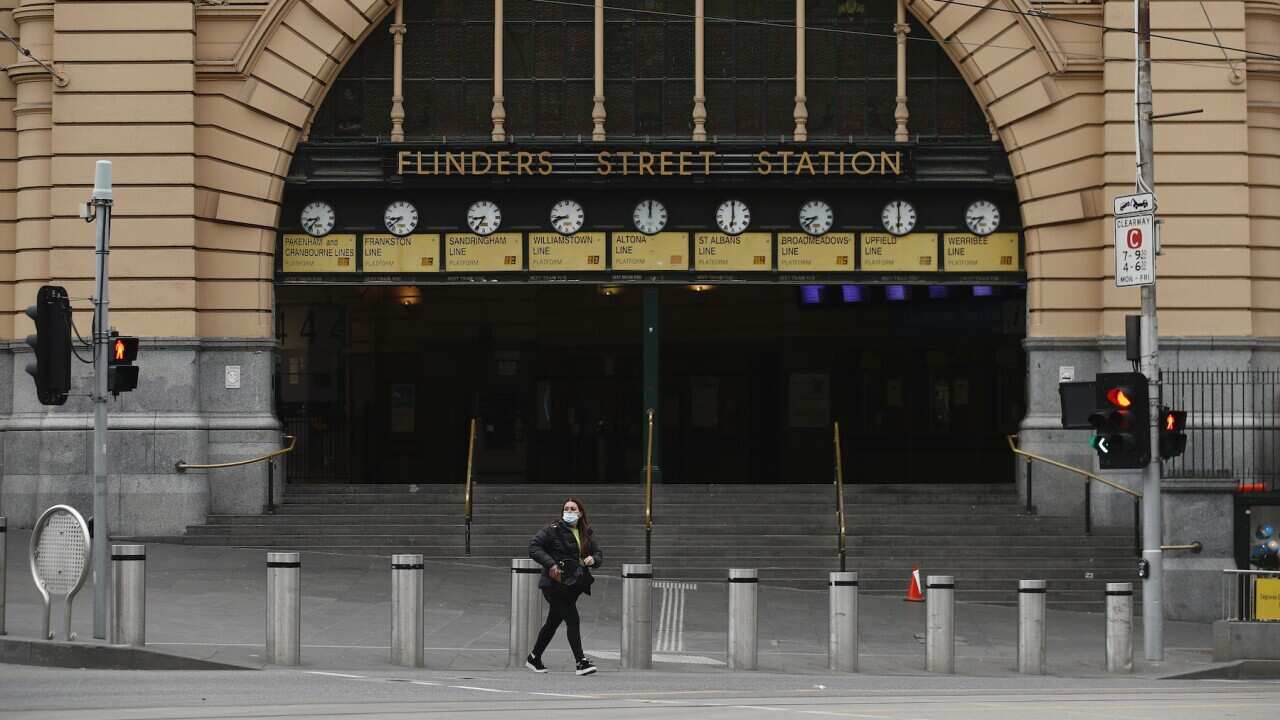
{"points": [[201, 105]]}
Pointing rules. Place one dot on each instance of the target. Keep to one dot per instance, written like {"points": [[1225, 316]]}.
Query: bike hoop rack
{"points": [[59, 558]]}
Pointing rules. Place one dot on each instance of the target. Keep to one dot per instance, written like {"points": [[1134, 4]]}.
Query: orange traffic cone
{"points": [[913, 590]]}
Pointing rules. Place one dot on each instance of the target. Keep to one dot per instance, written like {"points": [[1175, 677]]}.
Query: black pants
{"points": [[564, 608]]}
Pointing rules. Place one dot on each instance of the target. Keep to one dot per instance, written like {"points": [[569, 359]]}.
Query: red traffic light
{"points": [[1119, 397], [1175, 420]]}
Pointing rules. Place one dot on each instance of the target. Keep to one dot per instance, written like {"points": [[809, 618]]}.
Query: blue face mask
{"points": [[571, 518]]}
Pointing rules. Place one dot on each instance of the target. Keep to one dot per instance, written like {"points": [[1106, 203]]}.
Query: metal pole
{"points": [[407, 639], [1031, 630], [4, 526], [526, 609], [842, 645], [940, 635], [1120, 627], [1030, 507], [284, 608], [637, 617], [101, 200], [742, 618], [1088, 507], [129, 595], [1152, 531], [271, 486]]}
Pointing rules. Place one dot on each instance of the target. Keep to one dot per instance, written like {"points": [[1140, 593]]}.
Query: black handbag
{"points": [[570, 571]]}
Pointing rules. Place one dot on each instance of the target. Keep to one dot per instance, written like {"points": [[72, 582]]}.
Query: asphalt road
{"points": [[57, 694]]}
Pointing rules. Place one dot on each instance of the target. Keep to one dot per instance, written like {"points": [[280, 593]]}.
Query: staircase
{"points": [[978, 533]]}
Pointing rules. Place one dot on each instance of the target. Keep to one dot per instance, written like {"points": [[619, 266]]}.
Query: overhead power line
{"points": [[1212, 64]]}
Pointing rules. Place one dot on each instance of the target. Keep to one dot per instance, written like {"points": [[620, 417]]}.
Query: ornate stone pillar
{"points": [[33, 119], [900, 113], [598, 113], [499, 107], [802, 111], [699, 72], [397, 75]]}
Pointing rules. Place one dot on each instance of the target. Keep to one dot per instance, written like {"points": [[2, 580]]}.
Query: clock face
{"points": [[982, 217], [400, 217], [650, 217], [318, 218], [733, 217], [483, 217], [567, 217], [898, 217], [816, 217]]}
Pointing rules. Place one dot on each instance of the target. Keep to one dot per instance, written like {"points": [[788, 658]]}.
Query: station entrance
{"points": [[380, 382]]}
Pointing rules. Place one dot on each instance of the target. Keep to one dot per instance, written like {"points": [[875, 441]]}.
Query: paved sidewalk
{"points": [[210, 603]]}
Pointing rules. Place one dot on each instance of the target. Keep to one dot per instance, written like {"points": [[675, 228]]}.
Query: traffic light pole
{"points": [[101, 201], [1152, 507]]}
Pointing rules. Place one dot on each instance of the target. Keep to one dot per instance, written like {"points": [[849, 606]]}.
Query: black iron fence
{"points": [[1233, 424]]}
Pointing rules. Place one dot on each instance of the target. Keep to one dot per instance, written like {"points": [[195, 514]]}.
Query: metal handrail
{"points": [[839, 482], [181, 466], [1076, 470], [467, 503], [648, 488]]}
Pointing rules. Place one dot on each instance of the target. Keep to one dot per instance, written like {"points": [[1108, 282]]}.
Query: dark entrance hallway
{"points": [[379, 382]]}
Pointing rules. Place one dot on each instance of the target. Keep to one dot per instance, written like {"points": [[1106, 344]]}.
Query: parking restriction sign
{"points": [[1135, 248]]}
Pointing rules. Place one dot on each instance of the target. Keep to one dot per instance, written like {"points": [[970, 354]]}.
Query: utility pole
{"points": [[1152, 506], [100, 203]]}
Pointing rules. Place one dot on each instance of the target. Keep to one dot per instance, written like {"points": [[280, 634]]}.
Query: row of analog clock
{"points": [[733, 217]]}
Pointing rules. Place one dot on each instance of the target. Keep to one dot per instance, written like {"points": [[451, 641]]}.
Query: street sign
{"points": [[1135, 249], [1139, 204]]}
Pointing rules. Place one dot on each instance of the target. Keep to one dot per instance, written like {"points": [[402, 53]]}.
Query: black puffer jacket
{"points": [[555, 543]]}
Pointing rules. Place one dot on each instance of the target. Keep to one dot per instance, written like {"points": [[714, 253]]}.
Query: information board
{"points": [[663, 251], [748, 252], [1266, 598], [571, 253], [384, 253], [966, 252], [499, 252], [329, 254], [916, 252], [832, 252]]}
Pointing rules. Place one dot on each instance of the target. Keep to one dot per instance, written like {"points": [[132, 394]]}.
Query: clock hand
{"points": [[558, 218]]}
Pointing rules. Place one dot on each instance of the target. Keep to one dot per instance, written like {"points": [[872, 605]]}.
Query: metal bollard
{"points": [[940, 636], [637, 617], [842, 647], [284, 608], [4, 525], [129, 595], [1031, 630], [742, 619], [526, 609], [407, 642], [1120, 627]]}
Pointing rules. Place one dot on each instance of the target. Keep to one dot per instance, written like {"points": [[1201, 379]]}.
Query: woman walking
{"points": [[567, 550]]}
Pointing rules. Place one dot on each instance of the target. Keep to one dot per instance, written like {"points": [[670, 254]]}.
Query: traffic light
{"points": [[122, 374], [1173, 438], [52, 344], [1121, 423]]}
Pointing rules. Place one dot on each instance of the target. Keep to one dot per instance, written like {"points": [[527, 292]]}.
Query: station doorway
{"points": [[379, 382]]}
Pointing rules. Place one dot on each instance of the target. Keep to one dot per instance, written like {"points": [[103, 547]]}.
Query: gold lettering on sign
{"points": [[647, 163]]}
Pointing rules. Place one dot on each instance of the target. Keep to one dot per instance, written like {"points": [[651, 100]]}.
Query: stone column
{"points": [[699, 72], [900, 113], [598, 113], [397, 75], [33, 118], [802, 111], [499, 109]]}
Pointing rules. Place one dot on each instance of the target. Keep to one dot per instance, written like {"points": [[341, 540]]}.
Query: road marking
{"points": [[334, 674], [423, 682], [662, 658], [584, 697], [479, 689]]}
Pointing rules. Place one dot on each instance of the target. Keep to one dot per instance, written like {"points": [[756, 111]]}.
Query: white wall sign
{"points": [[1135, 248], [232, 377], [1066, 373]]}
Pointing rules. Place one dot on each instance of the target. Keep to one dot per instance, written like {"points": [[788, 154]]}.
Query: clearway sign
{"points": [[1135, 249]]}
